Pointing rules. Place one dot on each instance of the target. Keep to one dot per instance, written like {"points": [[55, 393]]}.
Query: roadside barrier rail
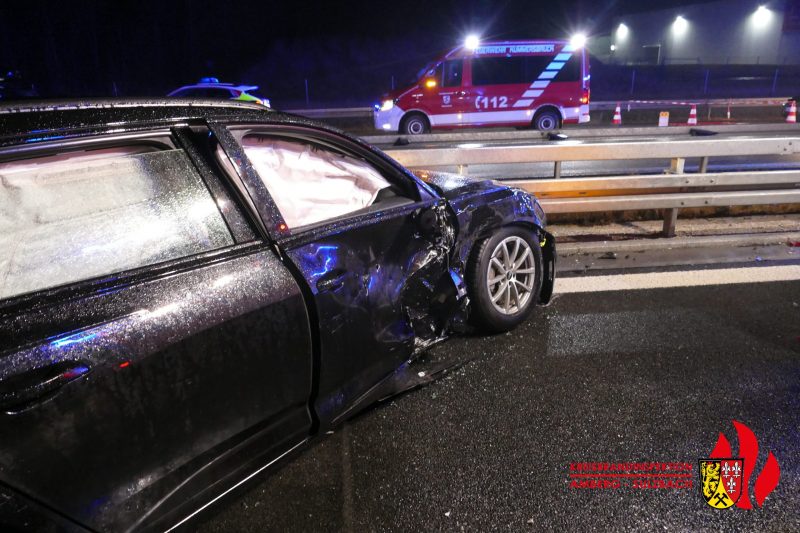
{"points": [[669, 192], [579, 132], [366, 112]]}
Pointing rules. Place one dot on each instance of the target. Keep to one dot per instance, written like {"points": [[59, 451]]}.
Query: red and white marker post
{"points": [[692, 116], [617, 120]]}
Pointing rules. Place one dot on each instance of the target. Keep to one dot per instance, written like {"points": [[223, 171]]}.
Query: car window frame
{"points": [[162, 138], [278, 230]]}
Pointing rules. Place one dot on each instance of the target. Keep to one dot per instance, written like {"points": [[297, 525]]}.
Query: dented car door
{"points": [[372, 246]]}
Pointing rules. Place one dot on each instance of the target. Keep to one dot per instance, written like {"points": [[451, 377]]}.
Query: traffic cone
{"points": [[692, 116], [617, 120], [792, 116]]}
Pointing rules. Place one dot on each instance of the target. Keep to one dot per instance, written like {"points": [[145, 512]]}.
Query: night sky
{"points": [[348, 51]]}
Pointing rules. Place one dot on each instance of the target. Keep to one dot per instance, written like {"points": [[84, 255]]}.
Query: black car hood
{"points": [[452, 186]]}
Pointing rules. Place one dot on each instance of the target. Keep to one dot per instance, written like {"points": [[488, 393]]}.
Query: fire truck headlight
{"points": [[387, 105]]}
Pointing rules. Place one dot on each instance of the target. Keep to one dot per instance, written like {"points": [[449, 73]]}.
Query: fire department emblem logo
{"points": [[445, 99], [721, 481]]}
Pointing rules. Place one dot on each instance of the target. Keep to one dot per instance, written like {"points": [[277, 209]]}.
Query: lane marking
{"points": [[685, 278]]}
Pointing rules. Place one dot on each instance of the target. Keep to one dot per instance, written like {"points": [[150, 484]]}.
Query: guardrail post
{"points": [[557, 170], [703, 165], [676, 166], [461, 169], [670, 221]]}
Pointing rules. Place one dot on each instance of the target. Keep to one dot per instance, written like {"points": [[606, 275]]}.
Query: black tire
{"points": [[547, 120], [415, 124], [481, 270]]}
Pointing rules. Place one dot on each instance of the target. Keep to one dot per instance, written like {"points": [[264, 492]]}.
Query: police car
{"points": [[211, 88]]}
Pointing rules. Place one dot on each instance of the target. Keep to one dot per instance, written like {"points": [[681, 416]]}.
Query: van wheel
{"points": [[504, 279], [546, 120], [415, 124]]}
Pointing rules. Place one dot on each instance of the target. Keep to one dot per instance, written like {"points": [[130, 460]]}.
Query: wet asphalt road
{"points": [[644, 375]]}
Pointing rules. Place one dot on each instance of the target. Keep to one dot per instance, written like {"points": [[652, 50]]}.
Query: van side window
{"points": [[510, 70], [571, 71], [85, 214], [452, 73], [534, 65], [499, 70]]}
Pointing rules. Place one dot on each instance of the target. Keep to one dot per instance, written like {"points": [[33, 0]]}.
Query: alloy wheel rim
{"points": [[510, 275], [415, 127]]}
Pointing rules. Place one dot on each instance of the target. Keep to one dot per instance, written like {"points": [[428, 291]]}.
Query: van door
{"points": [[455, 100], [505, 88], [443, 95]]}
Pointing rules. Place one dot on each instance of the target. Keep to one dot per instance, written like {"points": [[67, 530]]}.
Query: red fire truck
{"points": [[542, 84]]}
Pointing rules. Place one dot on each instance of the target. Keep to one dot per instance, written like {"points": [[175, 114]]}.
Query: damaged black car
{"points": [[190, 291]]}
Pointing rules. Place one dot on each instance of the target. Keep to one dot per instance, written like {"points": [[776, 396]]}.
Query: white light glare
{"points": [[472, 42], [622, 31], [578, 41], [761, 17], [680, 25], [613, 47]]}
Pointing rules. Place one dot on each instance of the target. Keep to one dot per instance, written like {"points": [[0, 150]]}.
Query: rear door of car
{"points": [[153, 347], [373, 270]]}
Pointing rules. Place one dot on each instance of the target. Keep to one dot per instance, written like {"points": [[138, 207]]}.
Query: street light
{"points": [[761, 17], [622, 31], [578, 41], [680, 26], [472, 42]]}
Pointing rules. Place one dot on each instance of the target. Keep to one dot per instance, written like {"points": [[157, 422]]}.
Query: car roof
{"points": [[26, 117]]}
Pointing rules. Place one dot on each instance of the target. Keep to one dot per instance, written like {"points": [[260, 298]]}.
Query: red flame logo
{"points": [[766, 481]]}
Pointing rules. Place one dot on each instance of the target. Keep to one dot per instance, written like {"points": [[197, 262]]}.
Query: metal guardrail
{"points": [[366, 112], [464, 155], [333, 112], [578, 132], [669, 192]]}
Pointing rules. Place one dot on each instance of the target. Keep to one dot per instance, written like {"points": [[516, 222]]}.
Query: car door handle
{"points": [[22, 391], [332, 280]]}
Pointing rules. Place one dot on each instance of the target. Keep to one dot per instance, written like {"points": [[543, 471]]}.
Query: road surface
{"points": [[635, 374]]}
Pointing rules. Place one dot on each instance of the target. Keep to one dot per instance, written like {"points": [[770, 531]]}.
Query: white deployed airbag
{"points": [[309, 183]]}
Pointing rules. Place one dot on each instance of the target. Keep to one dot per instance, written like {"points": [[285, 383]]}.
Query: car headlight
{"points": [[386, 105]]}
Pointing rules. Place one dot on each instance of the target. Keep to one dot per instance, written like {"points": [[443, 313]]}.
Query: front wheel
{"points": [[504, 279], [415, 124], [546, 121]]}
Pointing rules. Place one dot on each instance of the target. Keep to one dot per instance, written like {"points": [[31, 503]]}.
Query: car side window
{"points": [[85, 214], [311, 183]]}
